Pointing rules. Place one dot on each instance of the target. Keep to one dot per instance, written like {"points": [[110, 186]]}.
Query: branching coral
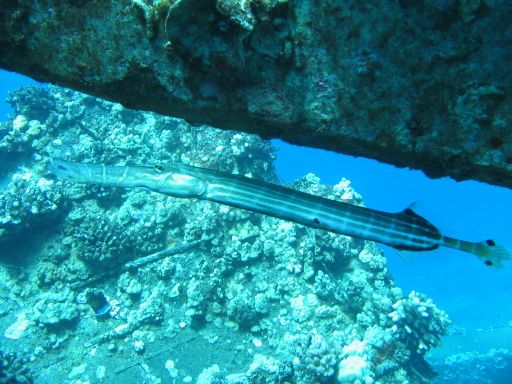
{"points": [[418, 322]]}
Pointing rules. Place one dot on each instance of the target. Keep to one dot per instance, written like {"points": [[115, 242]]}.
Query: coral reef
{"points": [[493, 366], [474, 355], [14, 369], [137, 286], [56, 308], [418, 321]]}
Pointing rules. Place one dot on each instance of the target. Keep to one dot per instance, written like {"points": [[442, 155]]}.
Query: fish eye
{"points": [[159, 168]]}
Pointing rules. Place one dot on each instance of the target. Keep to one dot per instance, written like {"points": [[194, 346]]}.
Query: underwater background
{"points": [[252, 299]]}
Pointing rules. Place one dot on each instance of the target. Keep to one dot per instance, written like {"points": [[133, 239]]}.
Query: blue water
{"points": [[476, 297]]}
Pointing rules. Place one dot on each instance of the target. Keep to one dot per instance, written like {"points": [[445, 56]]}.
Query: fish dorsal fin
{"points": [[413, 210], [419, 211]]}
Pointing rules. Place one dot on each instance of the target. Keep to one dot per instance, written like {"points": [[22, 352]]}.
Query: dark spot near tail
{"points": [[60, 166], [316, 221], [488, 262], [490, 243]]}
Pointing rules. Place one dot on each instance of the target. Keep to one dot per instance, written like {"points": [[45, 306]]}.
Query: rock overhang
{"points": [[421, 86]]}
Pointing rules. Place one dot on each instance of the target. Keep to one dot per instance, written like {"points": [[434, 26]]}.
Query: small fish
{"points": [[405, 230]]}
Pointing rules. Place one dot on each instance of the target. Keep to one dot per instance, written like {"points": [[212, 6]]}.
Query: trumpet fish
{"points": [[405, 230]]}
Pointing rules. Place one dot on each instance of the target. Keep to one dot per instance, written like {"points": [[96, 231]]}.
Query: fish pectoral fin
{"points": [[418, 258], [405, 255]]}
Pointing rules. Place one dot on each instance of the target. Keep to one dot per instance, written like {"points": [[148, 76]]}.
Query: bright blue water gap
{"points": [[10, 81], [474, 295]]}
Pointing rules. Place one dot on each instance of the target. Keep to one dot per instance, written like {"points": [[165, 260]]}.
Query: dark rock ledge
{"points": [[425, 85]]}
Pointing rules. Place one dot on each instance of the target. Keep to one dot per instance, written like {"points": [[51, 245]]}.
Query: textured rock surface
{"points": [[418, 84]]}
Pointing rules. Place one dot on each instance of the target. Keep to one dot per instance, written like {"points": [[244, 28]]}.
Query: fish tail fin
{"points": [[487, 251], [491, 254]]}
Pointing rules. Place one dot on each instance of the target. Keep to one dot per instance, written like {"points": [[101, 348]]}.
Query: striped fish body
{"points": [[404, 230]]}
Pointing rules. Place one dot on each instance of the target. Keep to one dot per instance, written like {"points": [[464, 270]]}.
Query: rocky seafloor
{"points": [[99, 284]]}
